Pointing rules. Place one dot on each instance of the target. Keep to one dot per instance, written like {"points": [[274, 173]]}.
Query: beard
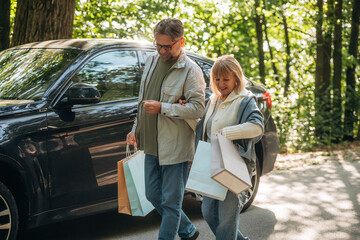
{"points": [[167, 58], [170, 57]]}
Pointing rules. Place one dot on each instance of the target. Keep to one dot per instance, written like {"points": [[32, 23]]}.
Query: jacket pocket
{"points": [[171, 95]]}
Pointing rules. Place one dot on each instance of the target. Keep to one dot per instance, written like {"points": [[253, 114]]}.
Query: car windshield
{"points": [[25, 74]]}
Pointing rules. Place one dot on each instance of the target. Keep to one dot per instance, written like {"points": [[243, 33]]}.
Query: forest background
{"points": [[306, 52]]}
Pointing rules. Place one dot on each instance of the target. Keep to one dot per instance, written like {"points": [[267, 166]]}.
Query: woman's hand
{"points": [[182, 102], [130, 139]]}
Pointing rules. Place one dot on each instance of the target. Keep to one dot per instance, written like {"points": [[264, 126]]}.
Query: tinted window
{"points": [[115, 74], [206, 68], [146, 54], [25, 74]]}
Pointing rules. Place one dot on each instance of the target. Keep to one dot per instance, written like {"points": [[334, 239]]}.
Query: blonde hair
{"points": [[224, 66]]}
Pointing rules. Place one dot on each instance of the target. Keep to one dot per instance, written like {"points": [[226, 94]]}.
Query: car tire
{"points": [[9, 218], [255, 180]]}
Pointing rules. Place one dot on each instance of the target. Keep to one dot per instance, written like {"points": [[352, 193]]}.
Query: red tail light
{"points": [[267, 98]]}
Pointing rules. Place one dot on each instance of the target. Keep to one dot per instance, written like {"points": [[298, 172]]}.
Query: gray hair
{"points": [[170, 26]]}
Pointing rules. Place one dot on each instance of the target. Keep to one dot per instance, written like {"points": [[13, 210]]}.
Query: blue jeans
{"points": [[223, 216], [164, 188]]}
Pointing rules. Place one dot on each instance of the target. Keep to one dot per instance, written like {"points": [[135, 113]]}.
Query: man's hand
{"points": [[152, 107], [130, 139]]}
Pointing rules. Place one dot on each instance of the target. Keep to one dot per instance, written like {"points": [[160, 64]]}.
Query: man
{"points": [[164, 129]]}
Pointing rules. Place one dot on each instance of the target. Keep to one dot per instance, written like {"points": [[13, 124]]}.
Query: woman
{"points": [[232, 112]]}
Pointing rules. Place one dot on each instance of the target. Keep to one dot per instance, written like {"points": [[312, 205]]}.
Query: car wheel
{"points": [[9, 218], [255, 180]]}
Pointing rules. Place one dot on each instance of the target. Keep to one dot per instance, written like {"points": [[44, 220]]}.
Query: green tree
{"points": [[288, 52], [320, 87], [304, 58], [260, 39], [351, 99], [337, 73], [272, 59]]}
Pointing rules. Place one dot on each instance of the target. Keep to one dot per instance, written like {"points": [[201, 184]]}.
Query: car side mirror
{"points": [[82, 93]]}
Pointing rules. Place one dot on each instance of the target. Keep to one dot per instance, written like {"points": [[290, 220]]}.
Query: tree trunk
{"points": [[350, 95], [326, 101], [276, 75], [39, 20], [259, 34], [287, 41], [319, 84], [4, 24], [337, 59]]}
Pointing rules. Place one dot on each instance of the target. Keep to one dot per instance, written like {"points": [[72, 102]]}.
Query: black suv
{"points": [[65, 109]]}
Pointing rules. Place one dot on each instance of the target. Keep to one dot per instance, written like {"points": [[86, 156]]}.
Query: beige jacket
{"points": [[176, 123], [226, 116]]}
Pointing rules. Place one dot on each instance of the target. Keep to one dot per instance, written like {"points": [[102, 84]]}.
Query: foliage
{"points": [[13, 5], [217, 27]]}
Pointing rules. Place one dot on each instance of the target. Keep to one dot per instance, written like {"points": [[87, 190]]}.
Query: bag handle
{"points": [[128, 151]]}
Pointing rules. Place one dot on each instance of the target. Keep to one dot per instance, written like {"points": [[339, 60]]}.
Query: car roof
{"points": [[86, 44], [83, 44]]}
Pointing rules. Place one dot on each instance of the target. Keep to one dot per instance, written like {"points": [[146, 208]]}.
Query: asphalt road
{"points": [[314, 202]]}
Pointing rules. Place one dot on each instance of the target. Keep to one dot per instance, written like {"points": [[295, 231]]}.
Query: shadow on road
{"points": [[257, 223], [315, 202], [312, 202], [109, 226], [101, 226]]}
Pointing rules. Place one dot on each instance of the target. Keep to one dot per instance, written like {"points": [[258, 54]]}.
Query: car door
{"points": [[86, 141]]}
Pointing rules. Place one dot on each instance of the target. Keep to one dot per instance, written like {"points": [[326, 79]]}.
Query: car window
{"points": [[115, 74], [146, 54], [26, 74], [206, 68]]}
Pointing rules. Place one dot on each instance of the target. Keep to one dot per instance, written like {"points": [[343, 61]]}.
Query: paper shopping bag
{"points": [[199, 180], [123, 199], [134, 171], [227, 166]]}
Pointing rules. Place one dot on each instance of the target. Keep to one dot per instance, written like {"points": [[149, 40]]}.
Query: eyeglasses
{"points": [[165, 47]]}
